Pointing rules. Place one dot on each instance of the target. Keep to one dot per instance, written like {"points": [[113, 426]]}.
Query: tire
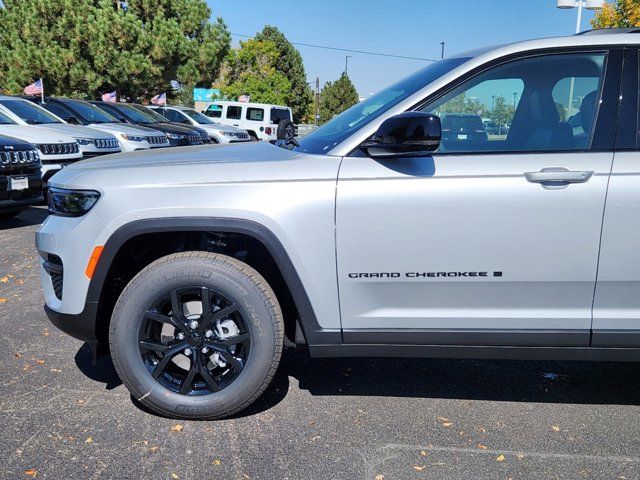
{"points": [[254, 137], [286, 130], [226, 277]]}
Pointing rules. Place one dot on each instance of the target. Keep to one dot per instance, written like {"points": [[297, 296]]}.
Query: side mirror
{"points": [[408, 134]]}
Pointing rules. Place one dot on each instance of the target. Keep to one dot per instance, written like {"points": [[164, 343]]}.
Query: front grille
{"points": [[58, 148], [240, 135], [106, 143], [53, 266], [18, 158], [157, 139], [194, 139]]}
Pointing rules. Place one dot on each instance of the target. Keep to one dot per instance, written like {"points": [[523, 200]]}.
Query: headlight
{"points": [[71, 203], [84, 141], [175, 136], [133, 138]]}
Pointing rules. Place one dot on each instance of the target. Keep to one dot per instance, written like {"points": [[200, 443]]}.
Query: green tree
{"points": [[462, 104], [250, 70], [336, 97], [290, 64], [503, 112], [618, 14], [85, 47]]}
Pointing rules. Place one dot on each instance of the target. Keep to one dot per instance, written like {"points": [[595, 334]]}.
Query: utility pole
{"points": [[442, 54], [317, 115], [346, 64]]}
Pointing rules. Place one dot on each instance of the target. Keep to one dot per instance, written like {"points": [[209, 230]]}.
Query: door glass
{"points": [[255, 114], [544, 103], [234, 113]]}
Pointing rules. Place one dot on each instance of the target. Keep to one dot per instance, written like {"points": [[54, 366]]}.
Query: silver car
{"points": [[374, 235]]}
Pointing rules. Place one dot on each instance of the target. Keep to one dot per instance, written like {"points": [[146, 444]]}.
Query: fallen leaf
{"points": [[418, 468], [500, 458], [55, 370], [154, 449], [81, 402], [379, 477], [46, 333], [520, 455], [31, 472], [4, 279], [177, 427], [40, 361], [423, 453], [19, 282], [482, 430], [26, 367], [216, 462], [17, 354], [317, 437], [447, 424], [173, 475], [4, 300], [555, 428], [482, 447], [443, 419], [89, 440]]}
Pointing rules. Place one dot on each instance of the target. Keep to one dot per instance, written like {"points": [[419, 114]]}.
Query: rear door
{"points": [[616, 313], [494, 239]]}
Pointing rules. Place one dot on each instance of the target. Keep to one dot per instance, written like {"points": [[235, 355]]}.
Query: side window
{"points": [[58, 110], [255, 114], [214, 111], [543, 103], [173, 115], [234, 112]]}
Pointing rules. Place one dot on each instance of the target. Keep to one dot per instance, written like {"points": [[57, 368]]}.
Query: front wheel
{"points": [[196, 335]]}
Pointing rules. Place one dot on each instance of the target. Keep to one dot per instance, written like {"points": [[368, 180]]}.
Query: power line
{"points": [[337, 49]]}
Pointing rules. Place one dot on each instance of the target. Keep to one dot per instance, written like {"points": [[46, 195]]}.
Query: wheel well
{"points": [[140, 251]]}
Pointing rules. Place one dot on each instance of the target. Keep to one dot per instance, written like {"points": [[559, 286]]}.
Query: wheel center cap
{"points": [[195, 340]]}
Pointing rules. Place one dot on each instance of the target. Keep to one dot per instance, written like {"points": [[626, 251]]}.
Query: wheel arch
{"points": [[310, 330]]}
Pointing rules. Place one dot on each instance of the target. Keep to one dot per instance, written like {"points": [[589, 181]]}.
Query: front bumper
{"points": [[15, 199]]}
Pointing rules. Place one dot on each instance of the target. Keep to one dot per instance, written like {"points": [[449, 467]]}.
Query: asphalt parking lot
{"points": [[373, 418]]}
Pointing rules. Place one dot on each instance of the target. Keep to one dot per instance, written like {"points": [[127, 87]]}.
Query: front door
{"points": [[494, 239]]}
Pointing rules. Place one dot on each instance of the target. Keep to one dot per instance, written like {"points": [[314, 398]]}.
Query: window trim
{"points": [[627, 136], [611, 89]]}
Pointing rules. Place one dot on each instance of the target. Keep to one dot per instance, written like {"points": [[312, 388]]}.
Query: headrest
{"points": [[543, 109], [588, 110]]}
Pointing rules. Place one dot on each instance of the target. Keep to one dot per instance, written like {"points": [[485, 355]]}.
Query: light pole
{"points": [[589, 5], [346, 63]]}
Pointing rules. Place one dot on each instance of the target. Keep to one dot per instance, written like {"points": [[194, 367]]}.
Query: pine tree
{"points": [[85, 47], [290, 64], [336, 97]]}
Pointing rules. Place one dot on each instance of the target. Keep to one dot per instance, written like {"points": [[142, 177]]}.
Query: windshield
{"points": [[156, 117], [89, 112], [4, 120], [135, 115], [350, 121], [30, 112], [198, 117]]}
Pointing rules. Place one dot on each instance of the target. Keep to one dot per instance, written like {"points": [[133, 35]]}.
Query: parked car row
{"points": [[39, 137]]}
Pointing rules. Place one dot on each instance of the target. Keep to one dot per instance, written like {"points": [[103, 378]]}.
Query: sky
{"points": [[411, 28]]}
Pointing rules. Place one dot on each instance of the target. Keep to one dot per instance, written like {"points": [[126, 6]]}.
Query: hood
{"points": [[115, 128], [10, 143], [76, 131], [173, 128], [246, 162], [221, 128], [35, 134]]}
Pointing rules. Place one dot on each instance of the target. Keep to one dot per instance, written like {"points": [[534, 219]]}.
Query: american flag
{"points": [[36, 88], [160, 99], [109, 97]]}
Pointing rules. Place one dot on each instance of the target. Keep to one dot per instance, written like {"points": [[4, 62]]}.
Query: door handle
{"points": [[558, 175]]}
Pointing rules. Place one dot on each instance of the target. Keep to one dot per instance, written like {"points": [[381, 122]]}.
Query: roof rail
{"points": [[608, 31]]}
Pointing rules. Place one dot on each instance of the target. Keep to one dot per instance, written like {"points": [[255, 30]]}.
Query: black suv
{"points": [[178, 135], [20, 177]]}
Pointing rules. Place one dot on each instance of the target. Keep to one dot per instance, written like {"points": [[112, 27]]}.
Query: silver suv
{"points": [[375, 235]]}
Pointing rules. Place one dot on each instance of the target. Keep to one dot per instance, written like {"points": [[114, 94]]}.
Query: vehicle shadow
{"points": [[31, 216], [494, 380]]}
